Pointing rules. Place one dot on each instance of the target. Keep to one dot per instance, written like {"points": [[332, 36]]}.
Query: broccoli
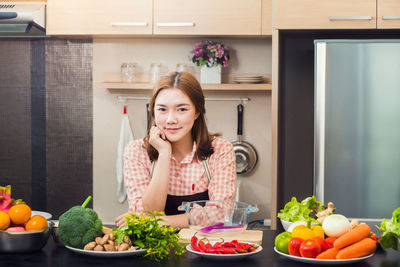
{"points": [[79, 226]]}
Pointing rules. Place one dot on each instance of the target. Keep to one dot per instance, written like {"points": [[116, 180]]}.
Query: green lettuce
{"points": [[391, 231], [306, 210]]}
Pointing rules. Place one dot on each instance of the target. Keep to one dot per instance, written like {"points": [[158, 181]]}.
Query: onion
{"points": [[336, 225]]}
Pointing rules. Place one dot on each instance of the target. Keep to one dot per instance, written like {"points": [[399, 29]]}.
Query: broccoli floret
{"points": [[79, 226]]}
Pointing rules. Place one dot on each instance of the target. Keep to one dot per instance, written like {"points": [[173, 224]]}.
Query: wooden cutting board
{"points": [[253, 236]]}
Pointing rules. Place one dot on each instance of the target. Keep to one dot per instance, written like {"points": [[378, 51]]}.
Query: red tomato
{"points": [[322, 243], [294, 246], [330, 241], [310, 248]]}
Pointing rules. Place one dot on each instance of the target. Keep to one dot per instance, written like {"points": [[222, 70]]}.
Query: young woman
{"points": [[178, 160]]}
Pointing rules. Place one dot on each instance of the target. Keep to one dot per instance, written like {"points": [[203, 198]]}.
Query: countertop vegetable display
{"points": [[79, 226]]}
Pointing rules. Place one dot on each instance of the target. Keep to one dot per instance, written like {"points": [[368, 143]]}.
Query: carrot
{"points": [[328, 254], [358, 249], [356, 234]]}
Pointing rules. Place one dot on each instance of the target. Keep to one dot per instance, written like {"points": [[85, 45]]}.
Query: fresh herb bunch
{"points": [[146, 232], [210, 53], [391, 231]]}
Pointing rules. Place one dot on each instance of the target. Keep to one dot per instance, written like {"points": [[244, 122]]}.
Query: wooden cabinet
{"points": [[207, 17], [99, 17], [325, 14], [266, 17], [388, 14]]}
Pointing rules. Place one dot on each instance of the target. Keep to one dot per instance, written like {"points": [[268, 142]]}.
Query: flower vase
{"points": [[210, 74]]}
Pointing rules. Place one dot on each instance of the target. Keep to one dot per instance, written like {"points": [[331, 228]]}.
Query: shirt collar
{"points": [[189, 157]]}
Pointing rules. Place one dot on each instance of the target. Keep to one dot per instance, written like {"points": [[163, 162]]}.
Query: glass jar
{"points": [[181, 67], [155, 72], [128, 72]]}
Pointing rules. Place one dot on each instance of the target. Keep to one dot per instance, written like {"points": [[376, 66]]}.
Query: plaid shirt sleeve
{"points": [[136, 174], [223, 171]]}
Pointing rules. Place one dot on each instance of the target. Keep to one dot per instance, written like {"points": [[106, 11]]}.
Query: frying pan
{"points": [[246, 154]]}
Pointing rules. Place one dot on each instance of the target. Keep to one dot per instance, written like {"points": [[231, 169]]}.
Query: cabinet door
{"points": [[207, 17], [388, 14], [266, 17], [99, 17], [324, 14]]}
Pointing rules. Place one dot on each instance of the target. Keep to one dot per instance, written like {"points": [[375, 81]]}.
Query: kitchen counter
{"points": [[58, 256]]}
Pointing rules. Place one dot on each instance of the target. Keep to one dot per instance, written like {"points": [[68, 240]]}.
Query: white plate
{"points": [[318, 261], [47, 215], [224, 256], [108, 254]]}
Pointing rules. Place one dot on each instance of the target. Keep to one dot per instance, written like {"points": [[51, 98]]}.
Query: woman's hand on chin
{"points": [[158, 140]]}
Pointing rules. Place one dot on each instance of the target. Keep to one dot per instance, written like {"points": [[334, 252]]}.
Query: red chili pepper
{"points": [[209, 246], [202, 246], [193, 243], [217, 245]]}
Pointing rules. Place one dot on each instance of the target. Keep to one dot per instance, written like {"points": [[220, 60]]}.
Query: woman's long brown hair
{"points": [[189, 85]]}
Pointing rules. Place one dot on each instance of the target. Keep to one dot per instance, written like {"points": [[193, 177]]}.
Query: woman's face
{"points": [[174, 113]]}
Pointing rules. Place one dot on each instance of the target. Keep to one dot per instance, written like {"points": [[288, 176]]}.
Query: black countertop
{"points": [[55, 255]]}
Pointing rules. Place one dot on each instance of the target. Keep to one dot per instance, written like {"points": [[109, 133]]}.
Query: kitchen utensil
{"points": [[216, 226], [253, 236], [26, 241], [246, 154], [212, 217]]}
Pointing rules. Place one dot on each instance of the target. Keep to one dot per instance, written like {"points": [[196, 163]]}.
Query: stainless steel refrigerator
{"points": [[357, 127]]}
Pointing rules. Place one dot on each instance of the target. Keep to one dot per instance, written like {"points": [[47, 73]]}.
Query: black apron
{"points": [[173, 202]]}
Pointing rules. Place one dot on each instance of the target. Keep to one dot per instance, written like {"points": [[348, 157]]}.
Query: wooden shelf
{"points": [[223, 86]]}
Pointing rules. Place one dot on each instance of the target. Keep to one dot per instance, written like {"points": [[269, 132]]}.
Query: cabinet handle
{"points": [[129, 24], [175, 24], [350, 18], [390, 17]]}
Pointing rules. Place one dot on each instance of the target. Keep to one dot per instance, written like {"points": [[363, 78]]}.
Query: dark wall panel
{"points": [[15, 117], [46, 121], [69, 122]]}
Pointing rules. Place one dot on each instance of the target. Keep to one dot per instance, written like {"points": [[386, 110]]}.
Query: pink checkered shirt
{"points": [[186, 178]]}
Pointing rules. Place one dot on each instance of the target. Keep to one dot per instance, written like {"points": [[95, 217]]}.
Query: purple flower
{"points": [[209, 53]]}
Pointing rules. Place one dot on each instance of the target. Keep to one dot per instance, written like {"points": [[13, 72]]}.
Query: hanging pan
{"points": [[246, 154]]}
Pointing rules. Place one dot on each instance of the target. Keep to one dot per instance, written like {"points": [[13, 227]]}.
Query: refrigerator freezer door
{"points": [[357, 126]]}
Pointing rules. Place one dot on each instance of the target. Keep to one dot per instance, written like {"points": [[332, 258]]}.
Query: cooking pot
{"points": [[246, 154]]}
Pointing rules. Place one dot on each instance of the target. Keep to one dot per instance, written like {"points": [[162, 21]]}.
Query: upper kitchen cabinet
{"points": [[99, 17], [266, 17], [388, 14], [325, 14], [207, 17]]}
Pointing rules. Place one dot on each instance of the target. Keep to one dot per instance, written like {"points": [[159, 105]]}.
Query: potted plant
{"points": [[210, 56]]}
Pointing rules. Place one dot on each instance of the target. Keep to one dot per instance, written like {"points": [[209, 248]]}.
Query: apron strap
{"points": [[204, 163]]}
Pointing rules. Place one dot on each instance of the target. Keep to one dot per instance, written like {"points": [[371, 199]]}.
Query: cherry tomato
{"points": [[309, 248], [322, 243], [294, 246]]}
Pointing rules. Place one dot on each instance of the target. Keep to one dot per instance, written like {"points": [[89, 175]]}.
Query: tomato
{"points": [[322, 243], [330, 241], [309, 248], [294, 246], [282, 242]]}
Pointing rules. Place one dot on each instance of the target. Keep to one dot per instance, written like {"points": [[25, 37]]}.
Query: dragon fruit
{"points": [[6, 202]]}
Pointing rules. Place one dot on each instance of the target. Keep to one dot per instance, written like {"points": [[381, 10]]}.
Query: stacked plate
{"points": [[248, 78]]}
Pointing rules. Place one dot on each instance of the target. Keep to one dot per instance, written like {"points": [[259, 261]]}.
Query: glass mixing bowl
{"points": [[212, 217]]}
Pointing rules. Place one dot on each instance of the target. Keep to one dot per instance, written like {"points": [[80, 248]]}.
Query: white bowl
{"points": [[285, 224]]}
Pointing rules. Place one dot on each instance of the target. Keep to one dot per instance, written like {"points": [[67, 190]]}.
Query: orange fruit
{"points": [[37, 222], [20, 213], [4, 220]]}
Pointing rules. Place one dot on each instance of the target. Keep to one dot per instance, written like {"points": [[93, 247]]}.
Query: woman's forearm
{"points": [[177, 221], [155, 195]]}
